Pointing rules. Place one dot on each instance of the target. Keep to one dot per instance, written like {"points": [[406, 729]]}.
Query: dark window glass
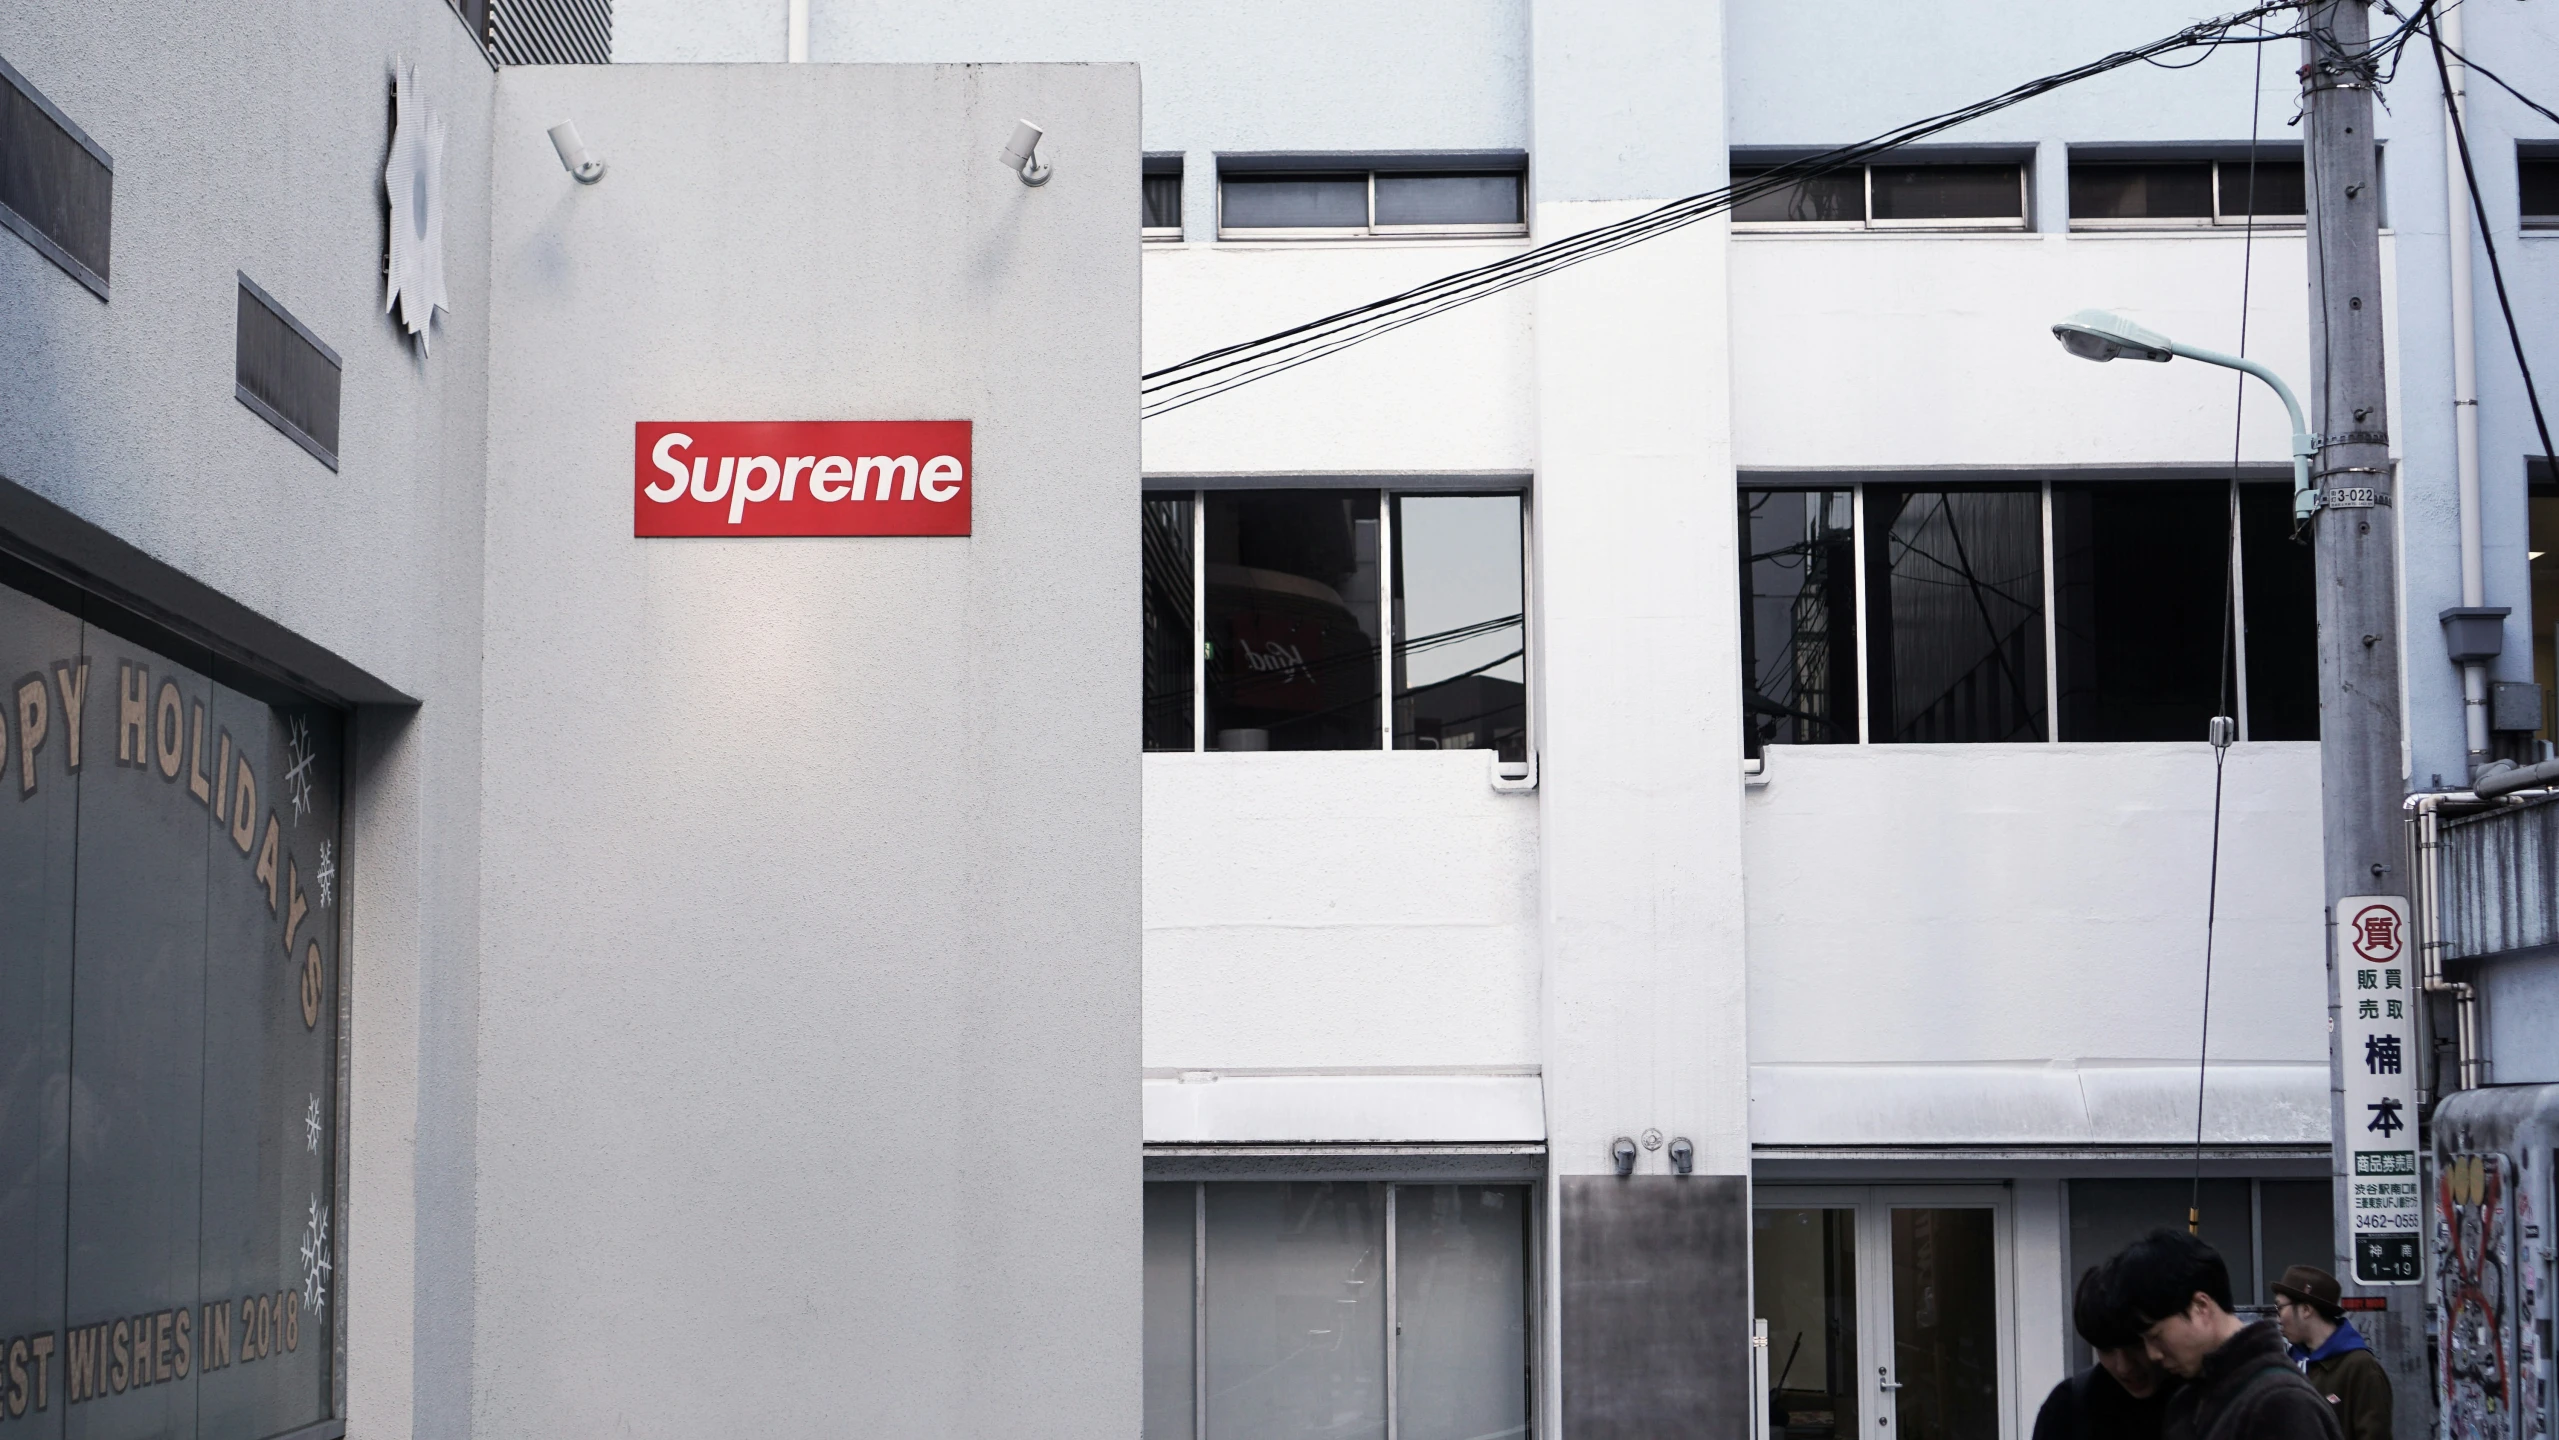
{"points": [[1162, 198], [1804, 1283], [1292, 620], [1799, 618], [1461, 668], [1293, 202], [2296, 1227], [1945, 1312], [2140, 588], [2274, 190], [2107, 1215], [1449, 199], [2538, 180], [1837, 196], [1949, 192], [1165, 547], [285, 375], [2141, 192], [2282, 618], [56, 193], [1956, 614]]}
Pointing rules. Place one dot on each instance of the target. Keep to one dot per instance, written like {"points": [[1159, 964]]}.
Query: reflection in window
{"points": [[1461, 1311], [1948, 192], [1292, 620], [1956, 614], [2281, 616], [1804, 1280], [1160, 198], [1946, 1323], [1297, 1311], [1294, 202], [1799, 618], [1461, 669], [1835, 198], [2173, 190], [1165, 552], [2140, 578]]}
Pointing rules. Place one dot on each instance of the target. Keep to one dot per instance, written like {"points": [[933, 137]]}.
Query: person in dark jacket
{"points": [[2123, 1396], [2240, 1385], [2335, 1359]]}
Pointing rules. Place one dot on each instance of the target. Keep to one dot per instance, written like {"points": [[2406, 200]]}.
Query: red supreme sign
{"points": [[801, 477]]}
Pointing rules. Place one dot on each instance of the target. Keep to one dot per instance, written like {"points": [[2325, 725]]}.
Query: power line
{"points": [[1218, 371]]}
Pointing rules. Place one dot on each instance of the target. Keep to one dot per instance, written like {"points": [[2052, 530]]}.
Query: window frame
{"points": [[2022, 223], [2529, 152], [1367, 170], [1487, 486], [2218, 156], [1152, 167]]}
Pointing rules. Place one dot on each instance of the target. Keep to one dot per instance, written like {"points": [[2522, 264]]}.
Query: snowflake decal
{"points": [[311, 1126], [315, 1259], [414, 183], [326, 877], [297, 773]]}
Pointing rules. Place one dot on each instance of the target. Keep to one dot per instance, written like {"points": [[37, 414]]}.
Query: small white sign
{"points": [[2376, 1024]]}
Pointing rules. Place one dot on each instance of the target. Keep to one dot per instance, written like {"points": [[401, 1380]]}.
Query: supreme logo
{"points": [[801, 477]]}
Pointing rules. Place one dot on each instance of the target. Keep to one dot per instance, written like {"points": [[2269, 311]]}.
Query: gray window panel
{"points": [[283, 372], [1804, 1278], [1296, 1311], [2141, 577], [1480, 199], [2165, 190], [2107, 1215], [1799, 618], [1461, 1302], [1292, 620], [2296, 1227], [2268, 189], [1955, 614], [1948, 192], [1161, 198], [1461, 668], [1821, 199], [1167, 605], [1294, 202], [2537, 178], [57, 190], [1169, 1357]]}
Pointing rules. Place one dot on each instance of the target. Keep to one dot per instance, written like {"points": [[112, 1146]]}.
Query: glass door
{"points": [[1887, 1312]]}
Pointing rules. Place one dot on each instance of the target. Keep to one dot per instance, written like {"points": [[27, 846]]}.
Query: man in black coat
{"points": [[2240, 1382], [2124, 1396]]}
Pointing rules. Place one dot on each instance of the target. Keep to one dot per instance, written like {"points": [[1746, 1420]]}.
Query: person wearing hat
{"points": [[2331, 1355]]}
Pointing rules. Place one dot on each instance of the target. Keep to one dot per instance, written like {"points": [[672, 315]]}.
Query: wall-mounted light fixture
{"points": [[1622, 1150], [1021, 154], [574, 156], [1683, 1155]]}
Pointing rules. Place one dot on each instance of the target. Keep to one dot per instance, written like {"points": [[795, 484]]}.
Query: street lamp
{"points": [[2103, 335]]}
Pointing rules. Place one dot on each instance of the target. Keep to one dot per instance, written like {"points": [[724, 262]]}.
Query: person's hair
{"points": [[2160, 1274], [2097, 1310]]}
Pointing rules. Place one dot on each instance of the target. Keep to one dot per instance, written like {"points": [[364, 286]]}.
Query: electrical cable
{"points": [[1217, 371]]}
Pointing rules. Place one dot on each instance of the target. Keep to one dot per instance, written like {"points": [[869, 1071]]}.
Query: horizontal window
{"points": [[1278, 619], [1270, 1310], [1959, 196], [2164, 194], [57, 188], [1160, 198], [2537, 180], [2074, 610], [1281, 204]]}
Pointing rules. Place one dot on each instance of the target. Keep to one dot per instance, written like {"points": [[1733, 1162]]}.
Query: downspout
{"points": [[2425, 847], [2465, 391]]}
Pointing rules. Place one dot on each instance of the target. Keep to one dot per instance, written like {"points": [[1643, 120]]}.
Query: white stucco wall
{"points": [[812, 865]]}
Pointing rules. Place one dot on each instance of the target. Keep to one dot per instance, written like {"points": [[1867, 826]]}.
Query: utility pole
{"points": [[2362, 785]]}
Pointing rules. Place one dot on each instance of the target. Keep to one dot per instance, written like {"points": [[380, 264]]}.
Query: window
{"points": [[1279, 619], [2163, 194], [1966, 195], [2537, 181], [57, 188], [1260, 199], [1160, 197], [2074, 610], [1276, 1310], [2261, 1228], [284, 373]]}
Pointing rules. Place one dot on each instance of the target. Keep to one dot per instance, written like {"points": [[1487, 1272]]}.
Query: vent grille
{"points": [[551, 32], [286, 374], [57, 188]]}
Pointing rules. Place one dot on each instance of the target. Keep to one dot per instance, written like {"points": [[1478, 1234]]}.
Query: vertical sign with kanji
{"points": [[2376, 988]]}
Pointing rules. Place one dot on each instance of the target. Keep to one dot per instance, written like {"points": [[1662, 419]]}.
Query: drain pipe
{"points": [[2465, 408], [2425, 846]]}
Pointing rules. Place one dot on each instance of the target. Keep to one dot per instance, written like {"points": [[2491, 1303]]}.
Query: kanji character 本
{"points": [[2385, 1116], [2396, 1011], [2368, 1009], [2381, 1054], [2390, 978], [2367, 980]]}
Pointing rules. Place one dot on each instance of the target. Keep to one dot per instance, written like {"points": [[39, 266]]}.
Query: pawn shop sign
{"points": [[801, 477]]}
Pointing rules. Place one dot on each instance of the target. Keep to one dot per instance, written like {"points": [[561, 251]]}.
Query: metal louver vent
{"points": [[57, 188], [286, 374], [551, 32]]}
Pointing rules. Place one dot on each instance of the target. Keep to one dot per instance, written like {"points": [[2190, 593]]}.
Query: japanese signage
{"points": [[801, 477], [2376, 992]]}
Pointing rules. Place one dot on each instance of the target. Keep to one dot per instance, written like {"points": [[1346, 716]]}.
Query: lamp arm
{"points": [[2305, 445]]}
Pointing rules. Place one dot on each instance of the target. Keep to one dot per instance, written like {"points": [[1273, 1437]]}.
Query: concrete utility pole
{"points": [[2354, 533]]}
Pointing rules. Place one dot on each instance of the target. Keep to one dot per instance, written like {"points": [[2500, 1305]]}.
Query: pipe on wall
{"points": [[798, 21], [2425, 852], [2465, 390]]}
